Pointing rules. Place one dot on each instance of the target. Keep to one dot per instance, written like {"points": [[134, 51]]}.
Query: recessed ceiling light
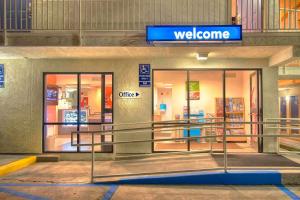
{"points": [[202, 56]]}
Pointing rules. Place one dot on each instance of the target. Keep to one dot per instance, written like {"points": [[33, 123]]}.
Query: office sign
{"points": [[144, 75], [209, 33], [129, 94], [2, 76]]}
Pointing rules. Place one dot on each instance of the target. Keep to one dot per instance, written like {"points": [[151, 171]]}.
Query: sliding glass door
{"points": [[170, 103], [200, 95]]}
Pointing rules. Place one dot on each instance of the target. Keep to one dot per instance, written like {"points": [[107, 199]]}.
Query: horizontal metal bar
{"points": [[174, 125], [198, 170], [284, 128], [195, 170], [181, 152], [184, 138], [177, 125], [149, 140], [163, 129], [298, 119], [158, 172]]}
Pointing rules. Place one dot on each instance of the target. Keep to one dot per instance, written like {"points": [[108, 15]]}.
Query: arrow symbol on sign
{"points": [[137, 94]]}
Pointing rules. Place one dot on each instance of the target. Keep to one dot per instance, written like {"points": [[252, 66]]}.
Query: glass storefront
{"points": [[61, 108], [200, 95], [289, 107]]}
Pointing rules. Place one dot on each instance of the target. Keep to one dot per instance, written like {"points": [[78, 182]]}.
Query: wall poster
{"points": [[194, 89]]}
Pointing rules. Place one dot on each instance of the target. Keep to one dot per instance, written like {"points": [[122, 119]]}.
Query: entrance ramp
{"points": [[207, 178], [200, 169], [225, 167]]}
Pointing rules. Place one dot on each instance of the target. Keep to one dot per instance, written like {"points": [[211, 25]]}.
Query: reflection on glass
{"points": [[289, 14], [108, 99], [241, 105], [289, 108], [87, 139], [58, 138], [62, 107], [170, 103], [206, 106], [90, 97], [60, 96]]}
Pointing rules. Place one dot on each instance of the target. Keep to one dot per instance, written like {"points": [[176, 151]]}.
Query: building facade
{"points": [[65, 57]]}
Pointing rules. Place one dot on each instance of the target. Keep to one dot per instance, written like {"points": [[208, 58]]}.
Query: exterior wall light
{"points": [[202, 56]]}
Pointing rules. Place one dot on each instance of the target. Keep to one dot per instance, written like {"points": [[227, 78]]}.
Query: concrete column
{"points": [[131, 110], [270, 104]]}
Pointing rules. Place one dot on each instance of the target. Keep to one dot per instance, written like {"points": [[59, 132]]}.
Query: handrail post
{"points": [[5, 23], [225, 147], [277, 145], [210, 140], [80, 25], [114, 145], [93, 157]]}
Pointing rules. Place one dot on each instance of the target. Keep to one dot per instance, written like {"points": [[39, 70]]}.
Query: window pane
{"points": [[108, 99], [206, 105], [61, 98], [58, 138], [289, 108], [241, 105], [170, 103], [86, 138], [90, 98]]}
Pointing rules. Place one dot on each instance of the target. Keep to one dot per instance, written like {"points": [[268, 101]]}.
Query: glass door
{"points": [[66, 95], [208, 96], [206, 105], [241, 105], [170, 103]]}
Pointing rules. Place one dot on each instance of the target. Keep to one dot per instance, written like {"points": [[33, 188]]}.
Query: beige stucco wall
{"points": [[270, 104], [21, 99]]}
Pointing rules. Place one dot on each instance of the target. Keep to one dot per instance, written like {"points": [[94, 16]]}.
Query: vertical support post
{"points": [[262, 13], [229, 11], [5, 23], [210, 140], [225, 147], [114, 145], [80, 25], [295, 15], [93, 157], [278, 145]]}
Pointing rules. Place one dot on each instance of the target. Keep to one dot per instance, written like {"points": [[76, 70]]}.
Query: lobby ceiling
{"points": [[137, 52]]}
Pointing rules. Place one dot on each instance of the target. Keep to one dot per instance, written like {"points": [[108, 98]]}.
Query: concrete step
{"points": [[48, 158]]}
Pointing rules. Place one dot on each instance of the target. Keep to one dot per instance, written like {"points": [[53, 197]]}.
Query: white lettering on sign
{"points": [[207, 35], [129, 94]]}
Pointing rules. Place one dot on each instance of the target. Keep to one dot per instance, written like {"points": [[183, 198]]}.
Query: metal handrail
{"points": [[187, 126]]}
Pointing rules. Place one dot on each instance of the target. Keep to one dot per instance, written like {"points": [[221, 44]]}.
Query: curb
{"points": [[17, 165]]}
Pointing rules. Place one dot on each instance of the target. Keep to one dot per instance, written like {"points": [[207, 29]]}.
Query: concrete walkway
{"points": [[71, 180], [79, 171], [9, 158], [157, 192]]}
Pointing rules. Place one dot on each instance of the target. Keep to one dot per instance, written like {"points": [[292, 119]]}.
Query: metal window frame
{"points": [[258, 71], [78, 124]]}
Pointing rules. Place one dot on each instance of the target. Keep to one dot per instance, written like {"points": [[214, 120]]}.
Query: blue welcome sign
{"points": [[190, 33]]}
